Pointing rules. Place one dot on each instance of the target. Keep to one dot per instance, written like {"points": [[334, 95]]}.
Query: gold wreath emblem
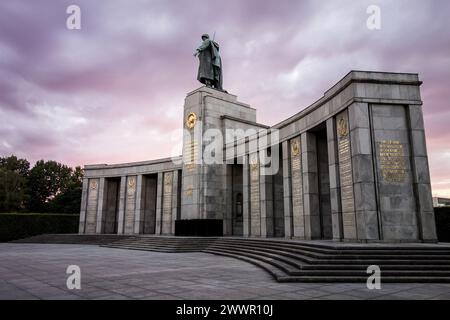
{"points": [[342, 128], [167, 179], [253, 166], [254, 163], [295, 149], [93, 184], [191, 120], [131, 183]]}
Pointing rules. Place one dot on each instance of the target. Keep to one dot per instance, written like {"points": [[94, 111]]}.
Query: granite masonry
{"points": [[351, 167]]}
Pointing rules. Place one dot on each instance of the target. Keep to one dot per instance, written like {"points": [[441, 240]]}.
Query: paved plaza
{"points": [[38, 271]]}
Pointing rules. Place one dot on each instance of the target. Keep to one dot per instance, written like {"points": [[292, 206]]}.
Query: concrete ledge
{"points": [[131, 164]]}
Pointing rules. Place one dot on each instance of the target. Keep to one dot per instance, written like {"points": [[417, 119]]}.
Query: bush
{"points": [[442, 216], [22, 225]]}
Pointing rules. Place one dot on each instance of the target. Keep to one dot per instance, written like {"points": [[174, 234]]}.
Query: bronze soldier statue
{"points": [[210, 68]]}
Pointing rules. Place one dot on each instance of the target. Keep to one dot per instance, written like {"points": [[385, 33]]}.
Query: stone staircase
{"points": [[313, 261], [291, 260]]}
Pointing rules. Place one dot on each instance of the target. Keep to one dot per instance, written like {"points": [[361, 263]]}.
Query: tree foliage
{"points": [[48, 186], [13, 183]]}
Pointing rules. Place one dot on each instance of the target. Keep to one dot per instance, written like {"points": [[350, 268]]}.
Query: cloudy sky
{"points": [[114, 90]]}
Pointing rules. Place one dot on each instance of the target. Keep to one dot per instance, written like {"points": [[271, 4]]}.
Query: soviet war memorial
{"points": [[236, 157], [351, 167]]}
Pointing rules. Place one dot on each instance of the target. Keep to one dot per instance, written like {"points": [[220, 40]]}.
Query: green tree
{"points": [[47, 180], [48, 187], [69, 200], [13, 181]]}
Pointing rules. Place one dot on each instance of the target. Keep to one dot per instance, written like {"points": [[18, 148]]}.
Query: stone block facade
{"points": [[352, 166]]}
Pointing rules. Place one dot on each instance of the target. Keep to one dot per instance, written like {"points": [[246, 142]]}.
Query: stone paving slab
{"points": [[38, 271]]}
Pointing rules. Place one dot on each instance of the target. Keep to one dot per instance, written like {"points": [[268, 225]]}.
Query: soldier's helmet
{"points": [[205, 36]]}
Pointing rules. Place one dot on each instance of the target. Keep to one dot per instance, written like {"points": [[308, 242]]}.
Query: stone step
{"points": [[334, 276], [350, 269], [337, 254], [305, 259], [163, 250], [165, 243], [293, 261], [362, 255], [311, 248], [363, 273], [288, 266], [382, 267], [160, 243], [304, 252], [277, 263], [287, 257], [356, 279], [344, 247]]}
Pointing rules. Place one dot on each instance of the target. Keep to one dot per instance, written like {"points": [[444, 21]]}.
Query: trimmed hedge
{"points": [[22, 225], [442, 216], [15, 226]]}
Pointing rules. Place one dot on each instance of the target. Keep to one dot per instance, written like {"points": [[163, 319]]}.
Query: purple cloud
{"points": [[114, 91]]}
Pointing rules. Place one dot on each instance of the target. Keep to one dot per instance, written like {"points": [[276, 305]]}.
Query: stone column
{"points": [[266, 203], [310, 186], [101, 204], [296, 182], [92, 205], [255, 194], [130, 205], [363, 174], [346, 177], [228, 194], [421, 175], [84, 193], [122, 197], [159, 196], [287, 193], [245, 197], [139, 214], [175, 205], [335, 190], [167, 200]]}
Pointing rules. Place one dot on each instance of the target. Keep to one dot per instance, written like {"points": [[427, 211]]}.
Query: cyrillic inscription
{"points": [[254, 197], [392, 161]]}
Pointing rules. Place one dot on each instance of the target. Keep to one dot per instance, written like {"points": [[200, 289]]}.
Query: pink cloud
{"points": [[114, 91]]}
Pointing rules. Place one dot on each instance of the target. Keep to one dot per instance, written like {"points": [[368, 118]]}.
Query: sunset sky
{"points": [[114, 90]]}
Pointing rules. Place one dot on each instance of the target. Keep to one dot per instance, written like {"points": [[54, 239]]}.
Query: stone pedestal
{"points": [[204, 174]]}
